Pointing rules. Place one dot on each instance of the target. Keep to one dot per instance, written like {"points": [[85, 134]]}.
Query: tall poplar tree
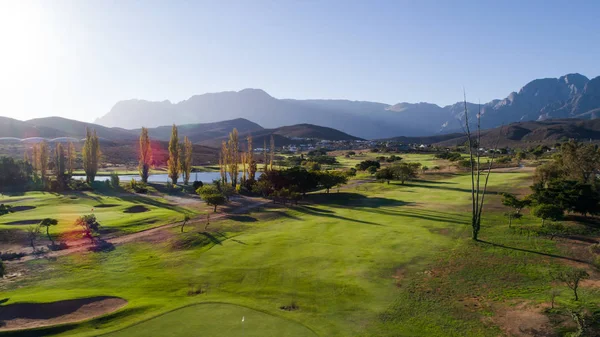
{"points": [[60, 163], [145, 155], [272, 148], [173, 163], [71, 156], [186, 160], [43, 157], [250, 160], [223, 157], [234, 157], [35, 158], [91, 155], [266, 168]]}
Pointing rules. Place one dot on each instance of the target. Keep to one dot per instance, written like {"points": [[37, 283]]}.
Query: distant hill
{"points": [[14, 128], [208, 134], [206, 131], [76, 129], [525, 134], [569, 96], [287, 135]]}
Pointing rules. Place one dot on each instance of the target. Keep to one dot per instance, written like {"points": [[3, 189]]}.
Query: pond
{"points": [[205, 177]]}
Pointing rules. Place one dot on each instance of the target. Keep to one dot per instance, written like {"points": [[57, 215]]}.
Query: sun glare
{"points": [[26, 49]]}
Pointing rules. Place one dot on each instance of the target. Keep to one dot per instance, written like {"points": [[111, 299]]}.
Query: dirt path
{"points": [[82, 245]]}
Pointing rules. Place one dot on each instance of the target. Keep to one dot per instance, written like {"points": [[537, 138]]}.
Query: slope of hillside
{"points": [[288, 135], [531, 133], [18, 129], [77, 129], [205, 131]]}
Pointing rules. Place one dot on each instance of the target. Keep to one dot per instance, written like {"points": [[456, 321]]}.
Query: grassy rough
{"points": [[374, 260]]}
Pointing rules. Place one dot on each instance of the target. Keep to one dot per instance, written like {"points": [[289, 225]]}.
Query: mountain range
{"points": [[519, 134], [209, 134], [569, 96]]}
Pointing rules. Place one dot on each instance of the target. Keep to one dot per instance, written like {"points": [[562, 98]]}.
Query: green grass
{"points": [[374, 260], [111, 210], [218, 319]]}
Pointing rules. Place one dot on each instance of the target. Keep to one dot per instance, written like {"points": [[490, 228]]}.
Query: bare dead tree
{"points": [[478, 190]]}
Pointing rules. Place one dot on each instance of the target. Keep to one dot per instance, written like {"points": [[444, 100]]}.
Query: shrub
{"points": [[351, 172], [114, 180], [2, 269], [451, 156], [4, 209], [503, 160], [197, 184], [79, 185], [365, 164], [547, 212], [138, 187], [595, 248], [89, 226], [372, 169]]}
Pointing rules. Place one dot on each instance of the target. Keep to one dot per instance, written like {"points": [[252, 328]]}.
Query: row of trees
{"points": [[43, 163], [231, 160], [180, 157], [401, 171], [566, 184]]}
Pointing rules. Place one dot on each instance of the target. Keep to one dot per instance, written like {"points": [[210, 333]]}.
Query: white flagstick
{"points": [[243, 331]]}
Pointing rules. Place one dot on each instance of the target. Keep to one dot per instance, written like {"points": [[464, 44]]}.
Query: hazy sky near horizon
{"points": [[76, 59]]}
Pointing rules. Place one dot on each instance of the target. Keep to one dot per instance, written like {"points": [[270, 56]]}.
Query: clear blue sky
{"points": [[77, 58]]}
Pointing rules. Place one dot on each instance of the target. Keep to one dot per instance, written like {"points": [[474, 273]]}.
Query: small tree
{"points": [[211, 195], [406, 171], [385, 174], [545, 211], [510, 200], [33, 232], [207, 221], [4, 209], [227, 190], [372, 169], [115, 181], [572, 277], [329, 179], [47, 223], [2, 269], [512, 215], [365, 164], [90, 227], [186, 218]]}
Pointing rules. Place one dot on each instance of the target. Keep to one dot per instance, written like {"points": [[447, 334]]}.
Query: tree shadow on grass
{"points": [[533, 252], [424, 215], [349, 199], [102, 246], [310, 211], [242, 218], [437, 182], [216, 238]]}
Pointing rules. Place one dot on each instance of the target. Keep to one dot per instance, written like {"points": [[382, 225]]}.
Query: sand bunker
{"points": [[136, 209], [34, 315]]}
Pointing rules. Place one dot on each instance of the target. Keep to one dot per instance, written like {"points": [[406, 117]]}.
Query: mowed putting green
{"points": [[216, 320]]}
